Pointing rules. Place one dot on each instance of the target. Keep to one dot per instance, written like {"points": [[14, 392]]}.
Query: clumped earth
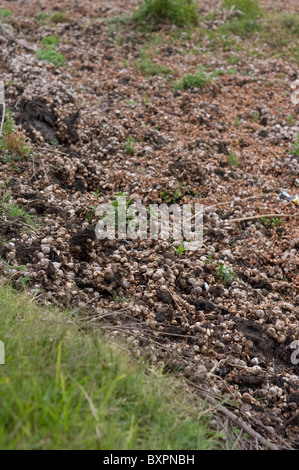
{"points": [[110, 120]]}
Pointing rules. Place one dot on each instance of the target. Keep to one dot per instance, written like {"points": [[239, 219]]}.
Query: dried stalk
{"points": [[236, 420]]}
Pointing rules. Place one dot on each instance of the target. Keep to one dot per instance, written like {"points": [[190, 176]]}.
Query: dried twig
{"points": [[261, 216], [236, 420]]}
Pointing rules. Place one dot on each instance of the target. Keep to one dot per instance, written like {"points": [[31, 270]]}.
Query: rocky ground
{"points": [[225, 316]]}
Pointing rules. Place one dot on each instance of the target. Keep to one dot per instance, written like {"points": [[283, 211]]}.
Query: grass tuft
{"points": [[178, 12], [50, 40], [150, 69], [250, 8], [12, 141], [51, 55], [197, 80]]}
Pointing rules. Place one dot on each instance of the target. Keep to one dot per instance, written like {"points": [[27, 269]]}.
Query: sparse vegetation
{"points": [[245, 24], [129, 147], [4, 13], [178, 12], [295, 148], [12, 210], [59, 17], [150, 68], [232, 160], [250, 8], [12, 142], [256, 116], [290, 120], [50, 40], [225, 273], [197, 80], [271, 222], [50, 54]]}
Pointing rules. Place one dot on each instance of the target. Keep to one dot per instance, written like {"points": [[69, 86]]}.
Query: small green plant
{"points": [[210, 257], [197, 80], [180, 249], [43, 16], [232, 160], [237, 121], [290, 120], [130, 102], [50, 40], [233, 60], [129, 147], [4, 13], [90, 213], [271, 222], [256, 116], [96, 193], [172, 197], [23, 281], [246, 24], [49, 54], [250, 8], [12, 141], [118, 299], [14, 210], [295, 148], [150, 69], [59, 17], [178, 12], [231, 71], [290, 22], [225, 274]]}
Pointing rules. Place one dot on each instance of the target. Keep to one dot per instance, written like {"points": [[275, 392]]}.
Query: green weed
{"points": [[178, 12], [12, 142], [232, 160], [49, 54]]}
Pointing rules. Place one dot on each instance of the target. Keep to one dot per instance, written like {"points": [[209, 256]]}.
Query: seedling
{"points": [[171, 197], [232, 160], [210, 257], [255, 116], [12, 141], [129, 147], [272, 222], [90, 213], [225, 273], [50, 40], [237, 121], [180, 249], [295, 148]]}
